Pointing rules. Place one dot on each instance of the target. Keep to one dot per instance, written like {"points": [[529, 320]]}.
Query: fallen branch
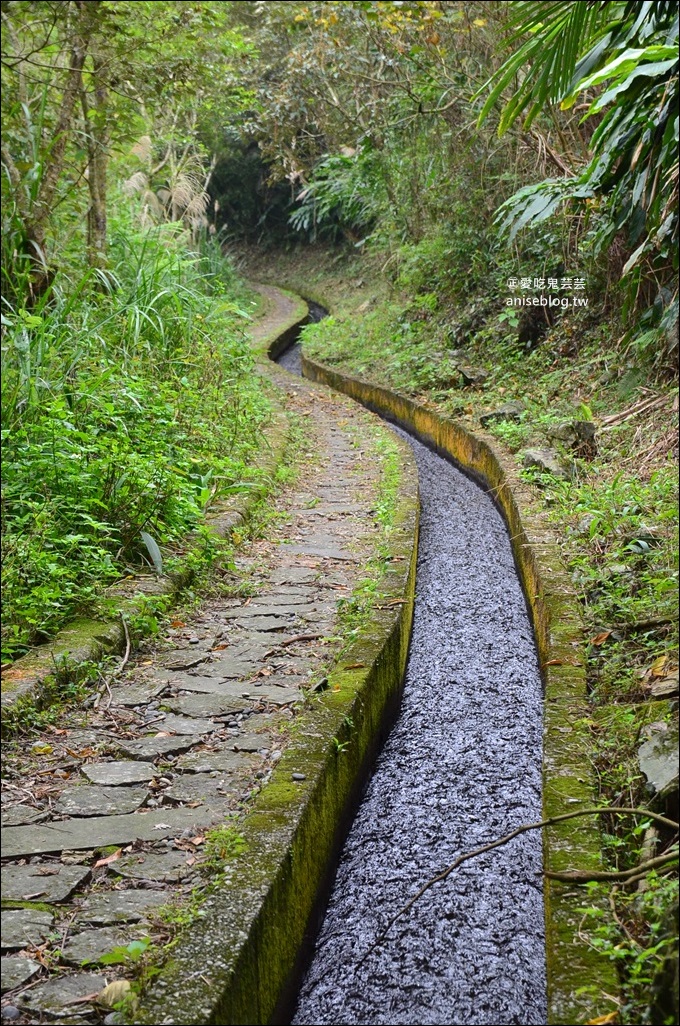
{"points": [[523, 829], [588, 876]]}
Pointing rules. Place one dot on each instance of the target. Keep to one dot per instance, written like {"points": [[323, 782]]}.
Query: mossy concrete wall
{"points": [[579, 977]]}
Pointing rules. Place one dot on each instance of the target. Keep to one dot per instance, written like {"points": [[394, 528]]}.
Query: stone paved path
{"points": [[105, 814]]}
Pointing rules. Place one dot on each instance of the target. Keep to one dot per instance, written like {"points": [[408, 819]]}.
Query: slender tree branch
{"points": [[523, 829]]}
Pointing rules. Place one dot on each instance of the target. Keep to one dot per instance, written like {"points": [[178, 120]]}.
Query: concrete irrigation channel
{"points": [[461, 765], [393, 765]]}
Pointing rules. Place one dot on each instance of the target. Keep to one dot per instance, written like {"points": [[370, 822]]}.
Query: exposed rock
{"points": [[658, 758], [24, 926], [472, 376], [14, 973], [580, 435], [507, 412], [224, 761], [545, 461], [200, 787]]}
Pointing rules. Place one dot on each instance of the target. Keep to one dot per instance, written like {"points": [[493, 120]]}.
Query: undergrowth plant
{"points": [[129, 403]]}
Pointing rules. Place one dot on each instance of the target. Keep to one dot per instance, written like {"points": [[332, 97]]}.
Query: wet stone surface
{"points": [[106, 815], [461, 767]]}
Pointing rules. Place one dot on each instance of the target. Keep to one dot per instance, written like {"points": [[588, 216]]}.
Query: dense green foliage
{"points": [[129, 399], [124, 411]]}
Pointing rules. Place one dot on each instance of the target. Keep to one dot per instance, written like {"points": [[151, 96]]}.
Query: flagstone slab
{"points": [[229, 690], [19, 815], [193, 725], [323, 552], [62, 991], [150, 748], [137, 693], [105, 908], [293, 574], [210, 704], [49, 882], [163, 867], [200, 787], [252, 743], [15, 972], [24, 926], [93, 800], [266, 609], [102, 831], [264, 623], [222, 761], [116, 774], [89, 946]]}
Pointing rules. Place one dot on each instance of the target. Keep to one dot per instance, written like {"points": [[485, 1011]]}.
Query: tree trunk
{"points": [[96, 135]]}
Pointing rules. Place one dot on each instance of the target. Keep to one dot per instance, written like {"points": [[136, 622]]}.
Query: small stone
{"points": [[545, 461], [507, 412], [10, 1012], [299, 776], [15, 972], [111, 1019], [194, 640]]}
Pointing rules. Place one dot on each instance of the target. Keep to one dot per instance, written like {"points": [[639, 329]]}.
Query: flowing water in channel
{"points": [[461, 767]]}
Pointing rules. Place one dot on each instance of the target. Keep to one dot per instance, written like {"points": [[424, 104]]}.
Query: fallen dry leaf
{"points": [[113, 993], [602, 1019], [197, 840], [355, 666], [177, 623], [660, 666], [109, 859], [600, 639]]}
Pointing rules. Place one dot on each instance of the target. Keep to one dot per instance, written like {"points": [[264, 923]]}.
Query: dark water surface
{"points": [[461, 767]]}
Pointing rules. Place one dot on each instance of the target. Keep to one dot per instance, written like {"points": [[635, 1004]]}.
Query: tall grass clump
{"points": [[129, 401]]}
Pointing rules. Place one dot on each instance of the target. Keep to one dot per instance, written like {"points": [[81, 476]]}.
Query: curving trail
{"points": [[461, 767]]}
